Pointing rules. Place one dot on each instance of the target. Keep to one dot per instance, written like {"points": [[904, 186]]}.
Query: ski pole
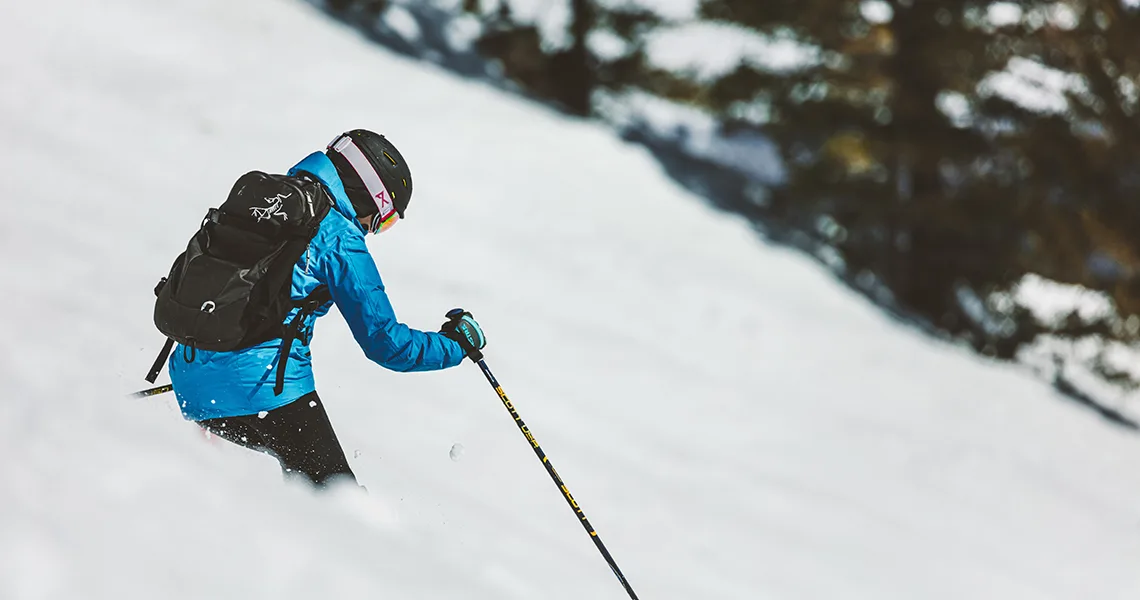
{"points": [[554, 475], [162, 389]]}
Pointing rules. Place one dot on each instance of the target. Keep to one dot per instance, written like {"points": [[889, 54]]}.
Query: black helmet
{"points": [[384, 162]]}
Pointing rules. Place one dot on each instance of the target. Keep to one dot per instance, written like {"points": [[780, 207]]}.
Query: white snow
{"points": [[463, 31], [697, 132], [400, 20], [876, 11], [1034, 86], [552, 18], [734, 422], [707, 50], [1065, 17], [669, 10], [608, 45], [956, 107], [1050, 301], [1004, 14]]}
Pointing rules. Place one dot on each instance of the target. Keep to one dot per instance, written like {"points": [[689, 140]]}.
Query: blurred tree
{"points": [[942, 186], [1091, 160], [605, 50], [565, 75]]}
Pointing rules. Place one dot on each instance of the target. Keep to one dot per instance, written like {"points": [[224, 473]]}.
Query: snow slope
{"points": [[735, 423]]}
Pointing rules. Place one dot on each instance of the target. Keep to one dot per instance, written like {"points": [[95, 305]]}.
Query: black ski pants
{"points": [[299, 435]]}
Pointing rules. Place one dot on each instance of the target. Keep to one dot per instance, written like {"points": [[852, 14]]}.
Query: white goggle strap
{"points": [[355, 157]]}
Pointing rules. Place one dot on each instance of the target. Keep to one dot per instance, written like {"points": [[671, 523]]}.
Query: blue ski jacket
{"points": [[229, 384]]}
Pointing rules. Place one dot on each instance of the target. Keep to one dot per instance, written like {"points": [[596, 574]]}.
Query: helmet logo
{"points": [[384, 203]]}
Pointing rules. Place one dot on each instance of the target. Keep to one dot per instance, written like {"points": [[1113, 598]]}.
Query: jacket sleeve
{"points": [[358, 292]]}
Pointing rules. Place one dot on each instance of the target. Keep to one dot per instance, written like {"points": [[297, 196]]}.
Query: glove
{"points": [[461, 327]]}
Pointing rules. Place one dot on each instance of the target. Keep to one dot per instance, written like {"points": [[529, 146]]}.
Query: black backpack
{"points": [[230, 289]]}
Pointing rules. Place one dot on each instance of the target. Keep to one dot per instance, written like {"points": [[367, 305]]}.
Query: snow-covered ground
{"points": [[734, 422]]}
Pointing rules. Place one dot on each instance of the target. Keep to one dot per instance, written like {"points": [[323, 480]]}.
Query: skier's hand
{"points": [[463, 328]]}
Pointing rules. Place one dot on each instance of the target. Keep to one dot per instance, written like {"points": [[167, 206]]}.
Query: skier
{"points": [[233, 395]]}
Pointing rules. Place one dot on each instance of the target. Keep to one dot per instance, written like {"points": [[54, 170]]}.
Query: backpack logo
{"points": [[276, 204]]}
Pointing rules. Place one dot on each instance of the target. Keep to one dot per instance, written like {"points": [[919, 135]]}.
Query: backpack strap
{"points": [[308, 305], [163, 354]]}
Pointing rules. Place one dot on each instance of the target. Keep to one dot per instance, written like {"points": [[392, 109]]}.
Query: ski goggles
{"points": [[386, 215]]}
